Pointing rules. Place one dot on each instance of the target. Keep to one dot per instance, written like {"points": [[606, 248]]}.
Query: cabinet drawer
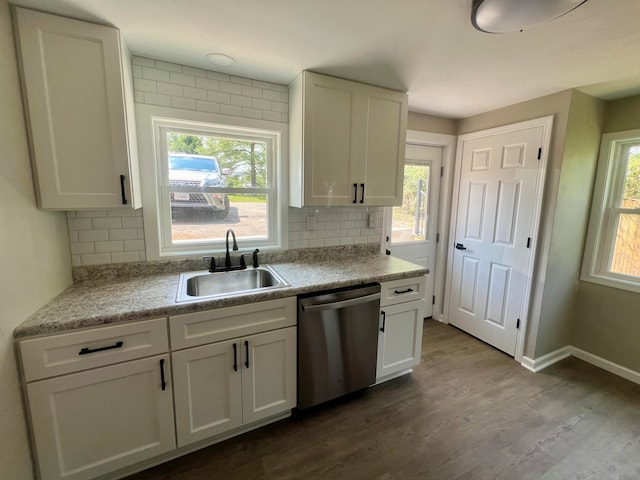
{"points": [[404, 290], [193, 329], [71, 352]]}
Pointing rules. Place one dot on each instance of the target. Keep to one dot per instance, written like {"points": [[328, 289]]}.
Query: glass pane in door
{"points": [[410, 221]]}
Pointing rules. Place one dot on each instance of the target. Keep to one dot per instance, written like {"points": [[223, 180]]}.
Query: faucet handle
{"points": [[212, 264], [254, 256]]}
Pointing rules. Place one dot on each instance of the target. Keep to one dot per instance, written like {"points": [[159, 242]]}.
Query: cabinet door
{"points": [[207, 390], [331, 151], [73, 83], [400, 337], [383, 170], [268, 374], [94, 422]]}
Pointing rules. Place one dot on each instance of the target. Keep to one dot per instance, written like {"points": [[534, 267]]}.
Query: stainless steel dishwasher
{"points": [[337, 343]]}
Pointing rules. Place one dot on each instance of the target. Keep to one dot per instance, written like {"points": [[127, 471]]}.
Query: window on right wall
{"points": [[612, 253]]}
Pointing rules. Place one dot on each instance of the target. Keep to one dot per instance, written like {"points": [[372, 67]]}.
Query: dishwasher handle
{"points": [[340, 304]]}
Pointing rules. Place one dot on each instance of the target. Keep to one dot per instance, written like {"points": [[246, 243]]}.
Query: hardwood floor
{"points": [[467, 412]]}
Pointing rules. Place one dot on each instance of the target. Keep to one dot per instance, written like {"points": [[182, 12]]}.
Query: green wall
{"points": [[607, 320]]}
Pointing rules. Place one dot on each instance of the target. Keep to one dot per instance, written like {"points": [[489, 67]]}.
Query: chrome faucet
{"points": [[227, 260]]}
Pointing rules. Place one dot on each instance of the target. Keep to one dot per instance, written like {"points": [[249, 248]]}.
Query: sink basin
{"points": [[198, 285]]}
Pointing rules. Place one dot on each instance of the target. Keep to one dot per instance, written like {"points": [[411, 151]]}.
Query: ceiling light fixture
{"points": [[220, 59], [503, 16]]}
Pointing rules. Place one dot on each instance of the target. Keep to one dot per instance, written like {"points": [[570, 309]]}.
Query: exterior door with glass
{"points": [[410, 229]]}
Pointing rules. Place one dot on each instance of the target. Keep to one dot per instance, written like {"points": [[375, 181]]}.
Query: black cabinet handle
{"points": [[162, 381], [362, 197], [384, 320], [124, 197], [398, 292], [235, 357], [460, 246], [246, 349], [87, 350], [355, 193]]}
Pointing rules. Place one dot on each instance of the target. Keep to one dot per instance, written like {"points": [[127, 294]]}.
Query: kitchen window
{"points": [[210, 178], [612, 254]]}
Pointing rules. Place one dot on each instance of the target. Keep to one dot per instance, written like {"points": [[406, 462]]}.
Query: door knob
{"points": [[460, 246]]}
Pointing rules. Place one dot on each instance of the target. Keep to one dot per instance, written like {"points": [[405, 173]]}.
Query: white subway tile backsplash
{"points": [[169, 89], [95, 259], [172, 67], [80, 248], [272, 95], [107, 223], [232, 88], [195, 93], [198, 72], [280, 107], [240, 80], [79, 223], [252, 113], [147, 62], [183, 103], [134, 245], [124, 212], [155, 99], [122, 257], [109, 246], [272, 116], [240, 101], [123, 234], [209, 107], [93, 235], [182, 79], [143, 85], [218, 76], [136, 71], [232, 110], [156, 74], [261, 104], [218, 97], [253, 92], [132, 222], [207, 84], [73, 236]]}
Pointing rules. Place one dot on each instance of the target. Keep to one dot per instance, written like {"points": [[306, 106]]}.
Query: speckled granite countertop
{"points": [[90, 304]]}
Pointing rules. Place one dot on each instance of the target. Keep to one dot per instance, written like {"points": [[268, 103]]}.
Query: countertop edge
{"points": [[23, 332]]}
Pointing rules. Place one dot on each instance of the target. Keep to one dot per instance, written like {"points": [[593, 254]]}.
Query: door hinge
{"points": [[387, 251], [539, 153], [528, 242], [433, 301], [437, 237], [441, 171], [518, 324]]}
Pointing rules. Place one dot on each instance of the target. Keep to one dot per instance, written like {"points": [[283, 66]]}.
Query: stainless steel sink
{"points": [[198, 285]]}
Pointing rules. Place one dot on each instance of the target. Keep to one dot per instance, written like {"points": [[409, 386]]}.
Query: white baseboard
{"points": [[538, 364], [607, 365]]}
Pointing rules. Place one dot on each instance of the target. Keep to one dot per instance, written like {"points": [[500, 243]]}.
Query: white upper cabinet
{"points": [[347, 143], [78, 94]]}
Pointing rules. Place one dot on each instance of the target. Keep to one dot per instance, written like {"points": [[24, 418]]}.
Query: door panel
{"points": [[498, 182], [412, 227], [208, 391]]}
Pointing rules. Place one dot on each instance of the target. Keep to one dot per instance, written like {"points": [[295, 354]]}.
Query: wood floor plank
{"points": [[468, 412]]}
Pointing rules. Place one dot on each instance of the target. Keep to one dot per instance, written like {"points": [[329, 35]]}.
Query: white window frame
{"points": [[153, 122], [605, 211]]}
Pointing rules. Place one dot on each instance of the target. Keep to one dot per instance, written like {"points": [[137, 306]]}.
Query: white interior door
{"points": [[411, 228], [496, 214]]}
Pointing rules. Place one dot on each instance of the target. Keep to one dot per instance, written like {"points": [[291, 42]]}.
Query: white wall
{"points": [[34, 255]]}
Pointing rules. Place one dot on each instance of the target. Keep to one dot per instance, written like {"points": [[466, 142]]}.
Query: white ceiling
{"points": [[427, 47]]}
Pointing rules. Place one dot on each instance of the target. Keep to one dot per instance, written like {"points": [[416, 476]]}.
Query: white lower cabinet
{"points": [[401, 322], [225, 385], [93, 422]]}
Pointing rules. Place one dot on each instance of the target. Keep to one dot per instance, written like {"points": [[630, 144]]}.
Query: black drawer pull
{"points": [[362, 198], [87, 350], [162, 382], [235, 357], [384, 320], [398, 292], [355, 193], [124, 197], [246, 348]]}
